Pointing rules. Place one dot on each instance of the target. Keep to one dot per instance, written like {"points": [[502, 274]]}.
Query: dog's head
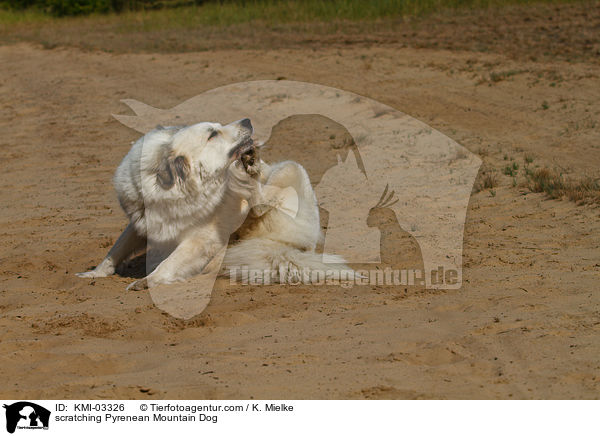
{"points": [[203, 151]]}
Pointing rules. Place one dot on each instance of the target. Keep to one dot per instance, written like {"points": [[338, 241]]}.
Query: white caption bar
{"points": [[296, 417]]}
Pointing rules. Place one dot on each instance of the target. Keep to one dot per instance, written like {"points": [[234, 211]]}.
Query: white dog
{"points": [[187, 189]]}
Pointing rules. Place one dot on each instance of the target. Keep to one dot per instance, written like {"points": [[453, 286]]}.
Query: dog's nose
{"points": [[246, 123]]}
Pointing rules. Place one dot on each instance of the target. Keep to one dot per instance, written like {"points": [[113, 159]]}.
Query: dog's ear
{"points": [[169, 168], [182, 167], [164, 173]]}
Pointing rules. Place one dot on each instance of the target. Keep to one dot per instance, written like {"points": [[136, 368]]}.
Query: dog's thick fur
{"points": [[187, 189]]}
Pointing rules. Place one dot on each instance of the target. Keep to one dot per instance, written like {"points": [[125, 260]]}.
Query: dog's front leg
{"points": [[188, 259], [129, 242]]}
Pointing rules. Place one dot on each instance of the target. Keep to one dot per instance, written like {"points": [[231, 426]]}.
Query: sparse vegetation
{"points": [[586, 123], [499, 76], [488, 181], [511, 170], [557, 186]]}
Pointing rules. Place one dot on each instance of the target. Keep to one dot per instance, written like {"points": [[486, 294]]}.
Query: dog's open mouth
{"points": [[249, 159]]}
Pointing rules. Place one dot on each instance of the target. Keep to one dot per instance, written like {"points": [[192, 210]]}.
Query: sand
{"points": [[525, 323]]}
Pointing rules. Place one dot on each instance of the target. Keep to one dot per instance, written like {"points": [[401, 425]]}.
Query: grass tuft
{"points": [[511, 170], [489, 181], [557, 186]]}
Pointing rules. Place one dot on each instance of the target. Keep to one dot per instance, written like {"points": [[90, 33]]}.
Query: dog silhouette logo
{"points": [[26, 415]]}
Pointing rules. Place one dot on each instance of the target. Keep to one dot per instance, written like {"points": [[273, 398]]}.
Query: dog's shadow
{"points": [[134, 268]]}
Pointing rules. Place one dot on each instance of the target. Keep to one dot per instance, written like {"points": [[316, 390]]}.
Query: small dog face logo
{"points": [[26, 415]]}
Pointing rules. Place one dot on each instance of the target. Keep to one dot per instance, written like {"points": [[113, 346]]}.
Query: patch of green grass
{"points": [[261, 24], [274, 12], [511, 170], [27, 16]]}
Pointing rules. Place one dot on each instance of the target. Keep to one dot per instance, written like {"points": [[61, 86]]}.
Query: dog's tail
{"points": [[266, 261]]}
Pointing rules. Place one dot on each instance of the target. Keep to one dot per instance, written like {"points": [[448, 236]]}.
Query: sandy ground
{"points": [[525, 323]]}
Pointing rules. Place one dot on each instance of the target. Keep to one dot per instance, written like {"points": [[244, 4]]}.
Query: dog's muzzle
{"points": [[245, 146]]}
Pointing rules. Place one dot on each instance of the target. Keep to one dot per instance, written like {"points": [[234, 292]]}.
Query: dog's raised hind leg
{"points": [[128, 243]]}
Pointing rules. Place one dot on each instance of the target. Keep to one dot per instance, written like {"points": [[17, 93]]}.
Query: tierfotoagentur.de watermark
{"points": [[364, 277]]}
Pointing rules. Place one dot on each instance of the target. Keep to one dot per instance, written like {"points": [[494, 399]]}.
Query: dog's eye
{"points": [[213, 134]]}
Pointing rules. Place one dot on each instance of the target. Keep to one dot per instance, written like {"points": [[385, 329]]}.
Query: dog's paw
{"points": [[294, 276], [260, 210], [104, 269], [253, 169], [251, 161], [290, 273], [92, 274], [138, 285]]}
